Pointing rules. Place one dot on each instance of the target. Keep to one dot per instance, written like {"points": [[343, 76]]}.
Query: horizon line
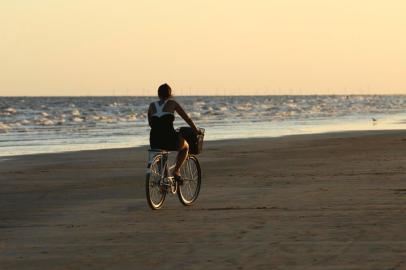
{"points": [[212, 95]]}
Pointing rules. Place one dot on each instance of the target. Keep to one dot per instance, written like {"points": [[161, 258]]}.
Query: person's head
{"points": [[164, 91]]}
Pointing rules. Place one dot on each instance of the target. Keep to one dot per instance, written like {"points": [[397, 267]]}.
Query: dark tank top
{"points": [[163, 134]]}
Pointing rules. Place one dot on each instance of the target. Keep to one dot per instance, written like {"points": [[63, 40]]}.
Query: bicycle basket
{"points": [[194, 140]]}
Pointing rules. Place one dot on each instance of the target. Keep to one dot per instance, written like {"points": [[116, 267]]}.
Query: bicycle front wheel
{"points": [[155, 190], [192, 178]]}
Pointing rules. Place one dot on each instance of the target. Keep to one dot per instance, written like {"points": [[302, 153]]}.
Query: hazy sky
{"points": [[97, 47]]}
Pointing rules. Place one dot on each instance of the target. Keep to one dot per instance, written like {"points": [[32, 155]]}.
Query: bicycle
{"points": [[160, 181]]}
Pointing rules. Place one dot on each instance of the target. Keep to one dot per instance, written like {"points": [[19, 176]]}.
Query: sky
{"points": [[207, 47]]}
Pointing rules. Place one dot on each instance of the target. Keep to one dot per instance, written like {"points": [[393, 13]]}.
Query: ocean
{"points": [[32, 125]]}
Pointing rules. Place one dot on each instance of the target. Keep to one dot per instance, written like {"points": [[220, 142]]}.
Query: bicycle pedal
{"points": [[167, 182], [179, 179]]}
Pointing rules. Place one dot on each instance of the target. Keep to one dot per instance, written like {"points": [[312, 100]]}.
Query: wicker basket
{"points": [[194, 140]]}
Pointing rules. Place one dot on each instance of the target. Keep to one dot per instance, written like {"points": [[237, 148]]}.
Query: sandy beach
{"points": [[328, 201]]}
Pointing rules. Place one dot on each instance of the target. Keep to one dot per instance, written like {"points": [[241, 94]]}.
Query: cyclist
{"points": [[162, 134]]}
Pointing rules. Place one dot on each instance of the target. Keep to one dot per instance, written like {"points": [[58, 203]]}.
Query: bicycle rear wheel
{"points": [[192, 178], [154, 188]]}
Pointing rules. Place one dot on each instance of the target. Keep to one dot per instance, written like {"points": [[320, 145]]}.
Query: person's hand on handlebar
{"points": [[198, 131]]}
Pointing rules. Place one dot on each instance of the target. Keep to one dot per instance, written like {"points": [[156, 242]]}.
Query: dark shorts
{"points": [[167, 141]]}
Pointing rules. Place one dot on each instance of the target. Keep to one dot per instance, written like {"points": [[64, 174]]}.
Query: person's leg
{"points": [[182, 154]]}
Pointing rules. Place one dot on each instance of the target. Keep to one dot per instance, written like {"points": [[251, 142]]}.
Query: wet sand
{"points": [[332, 201]]}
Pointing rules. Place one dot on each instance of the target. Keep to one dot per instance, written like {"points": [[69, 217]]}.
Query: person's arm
{"points": [[185, 117], [149, 114]]}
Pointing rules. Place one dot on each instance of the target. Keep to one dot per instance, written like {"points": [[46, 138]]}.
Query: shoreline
{"points": [[306, 136]]}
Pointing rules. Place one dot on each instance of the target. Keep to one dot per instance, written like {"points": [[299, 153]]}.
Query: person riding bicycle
{"points": [[162, 134]]}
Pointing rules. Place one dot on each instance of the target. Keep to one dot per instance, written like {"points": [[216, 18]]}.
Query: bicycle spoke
{"points": [[189, 177], [190, 190], [190, 170]]}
